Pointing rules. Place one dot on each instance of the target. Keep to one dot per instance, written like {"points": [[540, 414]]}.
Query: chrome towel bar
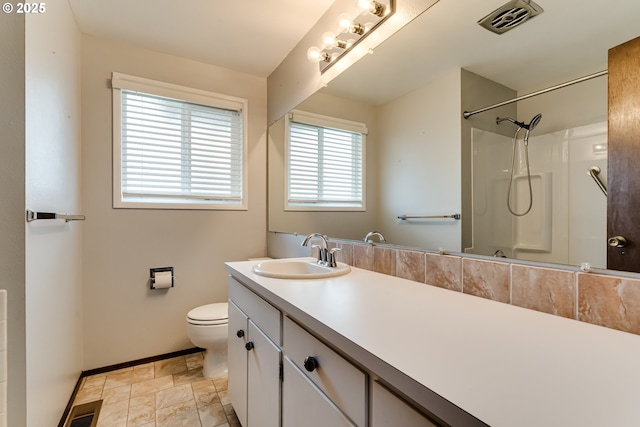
{"points": [[453, 216], [594, 172], [33, 216]]}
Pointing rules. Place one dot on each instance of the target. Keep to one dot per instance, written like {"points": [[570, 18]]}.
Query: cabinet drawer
{"points": [[263, 314], [342, 382], [389, 410]]}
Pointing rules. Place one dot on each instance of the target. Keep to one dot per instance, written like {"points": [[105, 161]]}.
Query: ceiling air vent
{"points": [[510, 15]]}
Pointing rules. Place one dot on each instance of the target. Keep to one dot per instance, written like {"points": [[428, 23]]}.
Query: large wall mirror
{"points": [[424, 160]]}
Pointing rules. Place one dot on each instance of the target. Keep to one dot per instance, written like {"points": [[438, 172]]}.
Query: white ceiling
{"points": [[568, 40], [250, 36]]}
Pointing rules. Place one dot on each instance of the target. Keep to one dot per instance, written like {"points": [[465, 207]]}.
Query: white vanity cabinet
{"points": [[254, 358], [320, 387], [389, 410]]}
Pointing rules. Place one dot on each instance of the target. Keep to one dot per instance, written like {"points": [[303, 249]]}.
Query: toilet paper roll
{"points": [[163, 280]]}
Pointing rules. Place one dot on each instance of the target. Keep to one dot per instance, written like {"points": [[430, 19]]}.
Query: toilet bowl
{"points": [[207, 328]]}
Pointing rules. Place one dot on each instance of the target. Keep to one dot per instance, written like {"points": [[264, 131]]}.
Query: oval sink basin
{"points": [[299, 268]]}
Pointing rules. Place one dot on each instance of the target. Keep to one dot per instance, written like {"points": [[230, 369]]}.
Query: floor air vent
{"points": [[85, 415], [510, 15]]}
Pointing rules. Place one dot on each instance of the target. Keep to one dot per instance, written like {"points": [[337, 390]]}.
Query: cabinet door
{"points": [[304, 404], [237, 361], [263, 409], [389, 410]]}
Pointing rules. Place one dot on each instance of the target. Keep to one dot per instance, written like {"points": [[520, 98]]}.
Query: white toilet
{"points": [[207, 328]]}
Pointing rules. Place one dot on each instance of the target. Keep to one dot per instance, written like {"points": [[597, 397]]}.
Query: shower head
{"points": [[533, 123]]}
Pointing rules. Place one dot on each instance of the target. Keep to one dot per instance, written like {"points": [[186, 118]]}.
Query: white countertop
{"points": [[505, 365]]}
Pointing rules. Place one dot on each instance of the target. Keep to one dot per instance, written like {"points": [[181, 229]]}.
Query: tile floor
{"points": [[167, 393]]}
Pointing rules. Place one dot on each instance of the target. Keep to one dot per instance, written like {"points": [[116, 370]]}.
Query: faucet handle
{"points": [[332, 257]]}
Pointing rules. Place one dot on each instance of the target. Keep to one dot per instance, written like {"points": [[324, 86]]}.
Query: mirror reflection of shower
{"points": [[525, 141]]}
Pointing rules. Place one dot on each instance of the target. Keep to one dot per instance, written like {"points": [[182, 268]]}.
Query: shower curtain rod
{"points": [[468, 114]]}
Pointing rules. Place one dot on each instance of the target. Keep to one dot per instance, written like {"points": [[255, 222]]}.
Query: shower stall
{"points": [[540, 202]]}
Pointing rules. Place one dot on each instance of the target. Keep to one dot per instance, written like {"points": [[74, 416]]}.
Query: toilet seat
{"points": [[209, 315]]}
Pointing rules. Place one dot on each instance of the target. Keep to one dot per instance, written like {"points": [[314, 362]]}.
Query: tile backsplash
{"points": [[3, 358], [602, 299]]}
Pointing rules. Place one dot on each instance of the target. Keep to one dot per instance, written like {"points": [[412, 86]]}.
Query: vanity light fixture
{"points": [[351, 29]]}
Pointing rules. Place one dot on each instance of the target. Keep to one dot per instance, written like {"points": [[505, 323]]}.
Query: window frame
{"points": [[326, 122], [121, 81]]}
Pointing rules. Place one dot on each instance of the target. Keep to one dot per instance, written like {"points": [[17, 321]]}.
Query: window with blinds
{"points": [[177, 147], [325, 163]]}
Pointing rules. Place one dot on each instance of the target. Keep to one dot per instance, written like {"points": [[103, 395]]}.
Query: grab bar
{"points": [[453, 216], [594, 172], [33, 216]]}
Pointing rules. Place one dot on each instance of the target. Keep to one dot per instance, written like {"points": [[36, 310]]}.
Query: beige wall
{"points": [[419, 147], [12, 243], [348, 225], [123, 319], [297, 78], [53, 248]]}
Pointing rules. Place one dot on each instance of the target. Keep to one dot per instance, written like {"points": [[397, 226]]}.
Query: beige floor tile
{"points": [[194, 361], [181, 415], [93, 381], [188, 377], [144, 399], [150, 386], [212, 415], [141, 415], [113, 414], [171, 366], [202, 383], [224, 397], [116, 394], [119, 379], [173, 396], [220, 383], [206, 395], [88, 395]]}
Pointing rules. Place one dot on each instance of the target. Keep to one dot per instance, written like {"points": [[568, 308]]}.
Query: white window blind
{"points": [[325, 164], [176, 152]]}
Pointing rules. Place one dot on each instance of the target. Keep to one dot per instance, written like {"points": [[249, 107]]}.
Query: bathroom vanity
{"points": [[368, 349]]}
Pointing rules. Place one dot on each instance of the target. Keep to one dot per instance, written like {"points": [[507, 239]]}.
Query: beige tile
{"points": [[116, 394], [224, 397], [346, 252], [212, 415], [384, 260], [411, 265], [363, 256], [613, 302], [153, 385], [141, 415], [202, 384], [188, 377], [183, 414], [486, 279], [194, 361], [205, 395], [221, 383], [114, 414], [148, 399], [175, 365], [543, 289], [173, 396], [88, 395], [444, 271], [93, 381], [119, 379], [144, 372]]}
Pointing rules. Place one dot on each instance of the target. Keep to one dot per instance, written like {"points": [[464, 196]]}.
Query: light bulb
{"points": [[328, 40], [364, 5], [344, 22], [315, 54]]}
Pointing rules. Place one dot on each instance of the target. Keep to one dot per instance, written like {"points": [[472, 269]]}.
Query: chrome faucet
{"points": [[326, 257], [367, 238]]}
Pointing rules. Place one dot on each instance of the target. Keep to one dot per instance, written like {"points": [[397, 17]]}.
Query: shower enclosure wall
{"points": [[567, 221]]}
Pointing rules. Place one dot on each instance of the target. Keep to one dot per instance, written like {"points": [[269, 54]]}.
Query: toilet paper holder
{"points": [[152, 274]]}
